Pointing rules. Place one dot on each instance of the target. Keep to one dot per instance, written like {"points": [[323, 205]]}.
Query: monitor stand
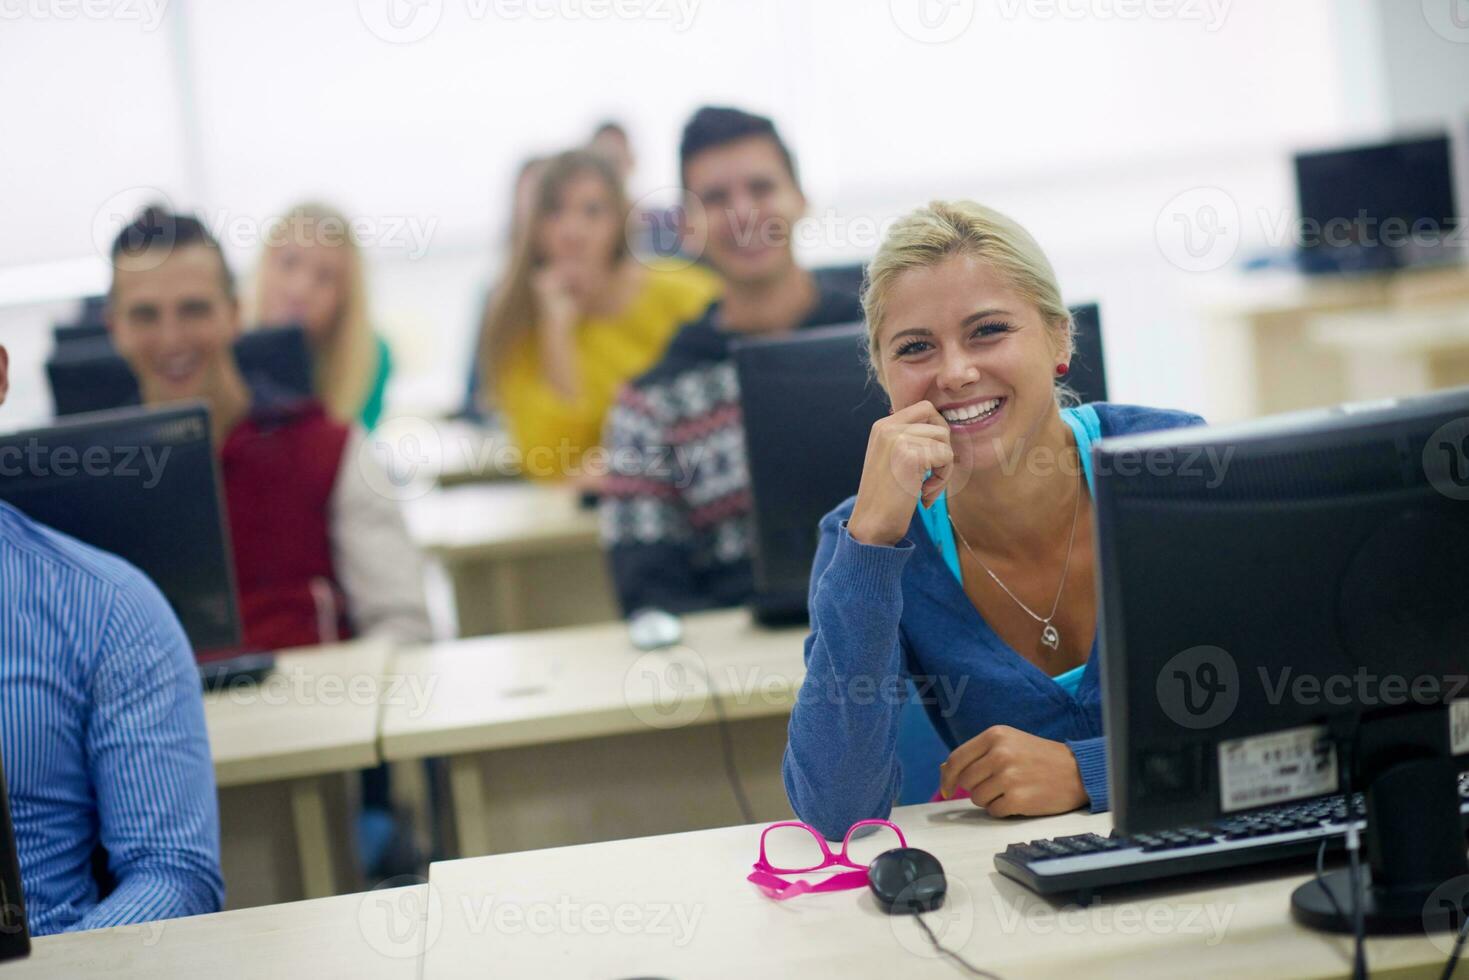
{"points": [[1419, 877]]}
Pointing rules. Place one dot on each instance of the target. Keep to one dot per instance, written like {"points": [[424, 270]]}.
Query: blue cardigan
{"points": [[881, 615]]}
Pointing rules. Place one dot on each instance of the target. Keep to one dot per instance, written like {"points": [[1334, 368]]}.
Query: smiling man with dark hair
{"points": [[679, 536], [102, 731]]}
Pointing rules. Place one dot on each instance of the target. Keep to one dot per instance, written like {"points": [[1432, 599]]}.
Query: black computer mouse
{"points": [[906, 879]]}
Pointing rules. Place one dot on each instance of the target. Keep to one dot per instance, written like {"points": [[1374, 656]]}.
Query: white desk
{"points": [[1264, 352], [678, 906], [520, 556], [538, 725], [280, 750], [1392, 353], [372, 936]]}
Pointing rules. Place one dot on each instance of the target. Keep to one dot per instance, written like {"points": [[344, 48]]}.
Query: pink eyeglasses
{"points": [[791, 847]]}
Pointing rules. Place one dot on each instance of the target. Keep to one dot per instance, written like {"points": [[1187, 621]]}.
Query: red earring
{"points": [[1061, 369]]}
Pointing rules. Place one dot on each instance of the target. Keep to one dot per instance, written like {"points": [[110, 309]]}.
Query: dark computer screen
{"points": [[87, 375], [15, 941], [1376, 207], [809, 407], [143, 485], [1088, 374], [1275, 577]]}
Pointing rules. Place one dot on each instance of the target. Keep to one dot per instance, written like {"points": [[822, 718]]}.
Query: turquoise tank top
{"points": [[1087, 428]]}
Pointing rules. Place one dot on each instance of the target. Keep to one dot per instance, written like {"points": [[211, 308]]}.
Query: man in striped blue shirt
{"points": [[102, 735]]}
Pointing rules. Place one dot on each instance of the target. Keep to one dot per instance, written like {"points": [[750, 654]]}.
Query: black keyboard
{"points": [[1084, 863]]}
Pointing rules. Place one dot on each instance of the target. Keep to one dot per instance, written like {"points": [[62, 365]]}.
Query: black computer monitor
{"points": [[1285, 611], [65, 334], [15, 936], [1347, 195], [143, 485], [87, 375], [841, 278], [809, 405], [1088, 374]]}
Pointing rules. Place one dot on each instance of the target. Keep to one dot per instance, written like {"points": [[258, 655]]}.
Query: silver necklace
{"points": [[1050, 636]]}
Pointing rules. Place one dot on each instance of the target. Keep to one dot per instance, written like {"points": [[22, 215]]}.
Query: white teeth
{"points": [[179, 368], [968, 413]]}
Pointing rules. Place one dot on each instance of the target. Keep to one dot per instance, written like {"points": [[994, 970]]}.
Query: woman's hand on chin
{"points": [[908, 458], [1014, 774]]}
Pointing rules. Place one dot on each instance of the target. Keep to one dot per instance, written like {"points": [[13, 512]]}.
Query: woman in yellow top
{"points": [[577, 316]]}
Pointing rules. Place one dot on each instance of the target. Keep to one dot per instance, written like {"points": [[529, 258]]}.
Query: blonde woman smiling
{"points": [[967, 553], [577, 316], [311, 274]]}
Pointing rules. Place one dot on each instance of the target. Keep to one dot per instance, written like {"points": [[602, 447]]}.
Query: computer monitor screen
{"points": [[1377, 207], [15, 941], [69, 333], [1263, 582], [87, 375], [809, 407], [144, 486], [1088, 374]]}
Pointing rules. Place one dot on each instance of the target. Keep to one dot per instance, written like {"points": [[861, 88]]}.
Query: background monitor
{"points": [[1088, 374], [809, 407], [1283, 610], [143, 485], [87, 375], [15, 938], [1346, 195]]}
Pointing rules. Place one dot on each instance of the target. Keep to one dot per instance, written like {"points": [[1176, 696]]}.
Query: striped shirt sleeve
{"points": [[148, 753]]}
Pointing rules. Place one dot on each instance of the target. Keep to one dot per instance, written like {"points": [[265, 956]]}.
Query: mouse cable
{"points": [[1448, 970], [969, 967], [726, 747]]}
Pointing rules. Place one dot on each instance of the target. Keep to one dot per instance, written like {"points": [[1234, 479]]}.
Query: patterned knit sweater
{"points": [[676, 509]]}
